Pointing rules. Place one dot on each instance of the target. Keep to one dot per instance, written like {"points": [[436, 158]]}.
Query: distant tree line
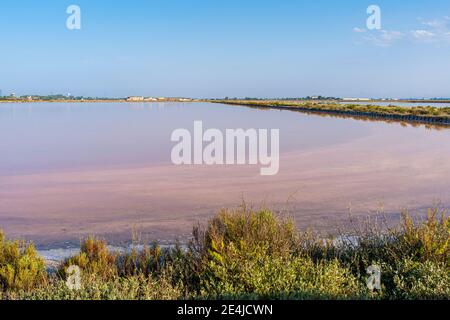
{"points": [[53, 97], [284, 98]]}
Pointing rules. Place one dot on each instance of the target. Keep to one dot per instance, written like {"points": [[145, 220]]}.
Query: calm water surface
{"points": [[38, 137], [70, 170]]}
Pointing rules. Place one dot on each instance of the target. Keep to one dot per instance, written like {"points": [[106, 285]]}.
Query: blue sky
{"points": [[212, 48]]}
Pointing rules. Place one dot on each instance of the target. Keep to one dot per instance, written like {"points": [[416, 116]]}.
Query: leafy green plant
{"points": [[418, 280], [252, 271], [94, 259], [429, 239], [119, 288], [20, 266]]}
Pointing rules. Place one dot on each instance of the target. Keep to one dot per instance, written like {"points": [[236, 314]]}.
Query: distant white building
{"points": [[357, 99], [135, 98]]}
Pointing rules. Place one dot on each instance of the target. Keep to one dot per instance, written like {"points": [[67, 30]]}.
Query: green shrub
{"points": [[416, 239], [429, 239], [251, 270], [20, 266], [418, 280], [250, 227], [94, 259], [257, 254], [234, 227], [144, 261], [119, 288], [147, 261]]}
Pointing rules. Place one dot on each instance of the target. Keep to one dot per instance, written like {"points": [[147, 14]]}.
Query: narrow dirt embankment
{"points": [[426, 115]]}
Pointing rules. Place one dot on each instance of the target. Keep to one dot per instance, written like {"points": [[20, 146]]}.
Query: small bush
{"points": [[147, 260], [429, 239], [416, 239], [94, 259], [252, 271], [418, 280], [120, 288], [235, 227], [257, 254], [20, 266], [245, 225]]}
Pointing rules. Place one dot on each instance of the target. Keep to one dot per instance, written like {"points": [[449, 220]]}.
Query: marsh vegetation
{"points": [[249, 254]]}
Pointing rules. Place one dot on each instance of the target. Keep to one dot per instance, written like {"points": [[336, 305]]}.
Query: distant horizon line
{"points": [[309, 97]]}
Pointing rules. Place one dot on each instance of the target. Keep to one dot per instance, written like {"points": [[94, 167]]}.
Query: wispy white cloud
{"points": [[384, 38], [436, 31], [435, 24], [359, 30], [422, 34]]}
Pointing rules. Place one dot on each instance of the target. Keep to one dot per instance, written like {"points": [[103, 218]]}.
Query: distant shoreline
{"points": [[95, 101], [393, 102]]}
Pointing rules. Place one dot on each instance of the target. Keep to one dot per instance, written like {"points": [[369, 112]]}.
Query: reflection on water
{"points": [[70, 170], [382, 119], [37, 137]]}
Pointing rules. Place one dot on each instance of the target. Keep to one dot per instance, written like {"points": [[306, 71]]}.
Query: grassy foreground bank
{"points": [[426, 114], [247, 254]]}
